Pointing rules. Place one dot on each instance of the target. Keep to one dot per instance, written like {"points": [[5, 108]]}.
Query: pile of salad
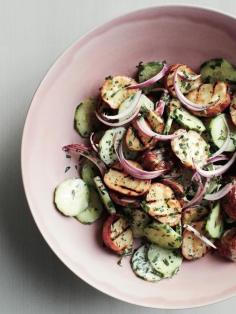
{"points": [[157, 164]]}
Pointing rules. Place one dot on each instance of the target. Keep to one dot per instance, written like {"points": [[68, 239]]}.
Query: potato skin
{"points": [[156, 160], [229, 202], [120, 200], [227, 245]]}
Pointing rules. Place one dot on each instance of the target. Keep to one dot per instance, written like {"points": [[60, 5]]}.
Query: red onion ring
{"points": [[134, 171], [142, 125], [86, 152], [199, 236], [217, 172], [218, 195], [188, 76], [200, 192], [160, 107], [94, 146], [120, 123], [184, 100], [152, 80], [217, 158], [130, 110]]}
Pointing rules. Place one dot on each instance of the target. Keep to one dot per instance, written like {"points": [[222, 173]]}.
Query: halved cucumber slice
{"points": [[146, 104], [106, 145], [188, 120], [215, 224], [88, 172], [85, 120], [105, 197], [164, 261], [148, 70], [142, 267], [163, 235], [71, 197], [94, 210], [218, 132]]}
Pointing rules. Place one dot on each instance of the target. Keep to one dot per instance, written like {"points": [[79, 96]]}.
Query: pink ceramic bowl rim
{"points": [[44, 231]]}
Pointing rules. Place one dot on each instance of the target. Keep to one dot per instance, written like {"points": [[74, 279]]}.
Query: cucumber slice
{"points": [[164, 261], [148, 70], [71, 197], [146, 104], [88, 172], [85, 120], [218, 70], [105, 197], [189, 121], [139, 220], [163, 235], [106, 145], [142, 267], [218, 132], [94, 210], [215, 224]]}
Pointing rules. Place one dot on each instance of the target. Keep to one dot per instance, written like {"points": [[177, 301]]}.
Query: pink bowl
{"points": [[173, 33]]}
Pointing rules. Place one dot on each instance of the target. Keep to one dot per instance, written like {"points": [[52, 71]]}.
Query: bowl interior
{"points": [[175, 34]]}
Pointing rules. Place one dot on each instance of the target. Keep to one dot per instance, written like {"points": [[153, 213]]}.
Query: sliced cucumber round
{"points": [[142, 267], [71, 197], [88, 172], [215, 224], [218, 132], [106, 145], [85, 120], [164, 261], [163, 235]]}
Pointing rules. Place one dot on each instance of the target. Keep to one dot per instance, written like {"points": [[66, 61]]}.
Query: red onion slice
{"points": [[152, 80], [86, 152], [217, 172], [200, 192], [129, 111], [184, 100], [142, 125], [217, 158], [134, 171], [226, 142], [120, 123], [199, 236], [160, 107], [94, 146], [188, 76], [221, 193]]}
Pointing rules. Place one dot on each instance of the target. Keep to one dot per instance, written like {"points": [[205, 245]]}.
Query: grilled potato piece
{"points": [[125, 184], [229, 202], [192, 247], [186, 86], [162, 205], [216, 96], [194, 214], [191, 149], [136, 140], [157, 160], [175, 186], [114, 91], [227, 245], [233, 110]]}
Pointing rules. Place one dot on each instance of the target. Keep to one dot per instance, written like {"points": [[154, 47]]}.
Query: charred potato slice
{"points": [[175, 186], [233, 110], [125, 184], [186, 86], [192, 247], [156, 160], [229, 202], [191, 149], [216, 96], [227, 245], [171, 220], [194, 214], [132, 141], [114, 91]]}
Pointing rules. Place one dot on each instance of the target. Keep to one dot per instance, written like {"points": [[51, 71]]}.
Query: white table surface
{"points": [[32, 34]]}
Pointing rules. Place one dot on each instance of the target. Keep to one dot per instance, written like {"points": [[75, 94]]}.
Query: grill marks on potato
{"points": [[191, 149], [114, 90], [186, 86], [162, 205], [193, 247], [136, 140], [125, 184], [216, 96], [121, 234]]}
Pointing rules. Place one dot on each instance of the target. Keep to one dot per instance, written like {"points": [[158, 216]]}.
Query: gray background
{"points": [[32, 34]]}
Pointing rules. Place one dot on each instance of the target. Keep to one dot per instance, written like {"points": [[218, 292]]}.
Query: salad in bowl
{"points": [[157, 165]]}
